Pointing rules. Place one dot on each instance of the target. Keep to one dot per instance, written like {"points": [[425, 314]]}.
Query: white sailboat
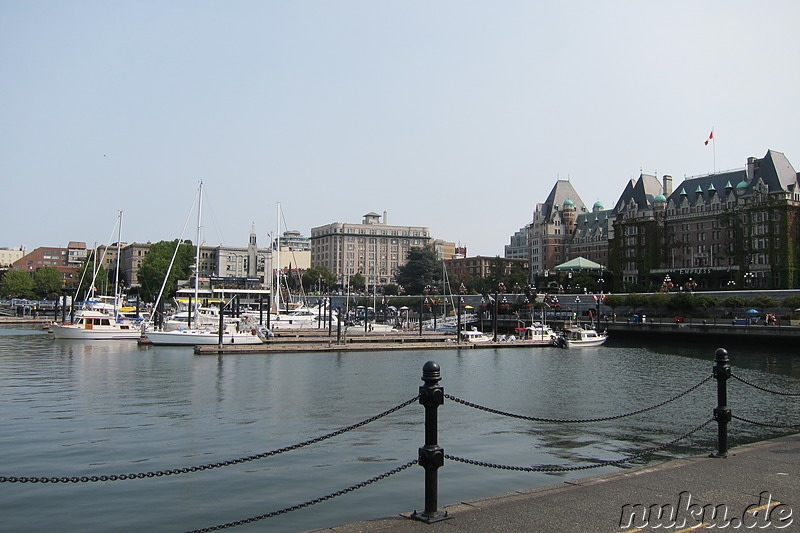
{"points": [[201, 334]]}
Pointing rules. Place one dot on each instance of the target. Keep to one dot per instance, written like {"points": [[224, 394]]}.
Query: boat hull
{"points": [[69, 331], [194, 337]]}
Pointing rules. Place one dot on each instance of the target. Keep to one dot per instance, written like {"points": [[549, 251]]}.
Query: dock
{"points": [[292, 341], [755, 488]]}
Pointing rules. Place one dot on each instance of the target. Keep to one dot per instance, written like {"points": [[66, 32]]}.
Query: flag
{"points": [[710, 137]]}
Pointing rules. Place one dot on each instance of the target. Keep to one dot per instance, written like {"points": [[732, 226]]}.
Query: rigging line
{"points": [[174, 254], [294, 258], [99, 263]]}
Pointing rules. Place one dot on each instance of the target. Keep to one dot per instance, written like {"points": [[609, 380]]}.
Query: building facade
{"points": [[731, 229], [372, 248]]}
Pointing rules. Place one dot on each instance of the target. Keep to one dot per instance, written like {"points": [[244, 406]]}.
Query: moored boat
{"points": [[577, 337], [95, 325]]}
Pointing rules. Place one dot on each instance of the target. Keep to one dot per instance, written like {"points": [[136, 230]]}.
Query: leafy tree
{"points": [[390, 289], [734, 303], [421, 269], [614, 301], [704, 301], [156, 263], [48, 282], [763, 302], [358, 282], [316, 275], [792, 302], [636, 300], [683, 302], [16, 284], [659, 300]]}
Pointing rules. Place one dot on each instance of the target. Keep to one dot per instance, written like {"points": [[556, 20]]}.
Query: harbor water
{"points": [[74, 408]]}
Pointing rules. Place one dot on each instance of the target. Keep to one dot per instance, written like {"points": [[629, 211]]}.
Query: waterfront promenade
{"points": [[757, 485]]}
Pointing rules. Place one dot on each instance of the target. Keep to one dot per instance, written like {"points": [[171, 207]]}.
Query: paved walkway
{"points": [[758, 484]]}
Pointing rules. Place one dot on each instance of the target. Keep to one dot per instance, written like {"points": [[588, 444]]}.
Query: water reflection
{"points": [[73, 408]]}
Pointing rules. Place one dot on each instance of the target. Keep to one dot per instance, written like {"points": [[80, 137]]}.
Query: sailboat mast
{"points": [[197, 246], [117, 295], [278, 260]]}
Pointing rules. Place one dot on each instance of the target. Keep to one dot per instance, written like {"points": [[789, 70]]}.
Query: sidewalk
{"points": [[759, 485]]}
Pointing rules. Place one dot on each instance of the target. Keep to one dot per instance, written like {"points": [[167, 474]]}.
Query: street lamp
{"points": [[577, 310], [748, 279]]}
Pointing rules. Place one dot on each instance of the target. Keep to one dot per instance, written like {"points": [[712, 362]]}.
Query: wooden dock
{"points": [[307, 341]]}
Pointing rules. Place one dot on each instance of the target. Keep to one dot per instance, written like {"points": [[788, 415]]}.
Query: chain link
{"points": [[211, 466], [764, 424], [309, 502], [557, 468], [795, 394], [575, 421]]}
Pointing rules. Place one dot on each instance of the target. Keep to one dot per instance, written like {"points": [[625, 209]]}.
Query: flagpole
{"points": [[714, 149]]}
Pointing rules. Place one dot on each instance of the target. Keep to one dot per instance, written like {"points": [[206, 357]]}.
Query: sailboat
{"points": [[202, 334], [93, 323]]}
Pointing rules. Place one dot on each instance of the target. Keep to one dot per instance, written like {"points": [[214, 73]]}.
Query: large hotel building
{"points": [[372, 248]]}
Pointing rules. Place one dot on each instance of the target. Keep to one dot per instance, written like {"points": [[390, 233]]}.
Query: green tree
{"points": [[317, 275], [792, 302], [683, 302], [763, 302], [16, 284], [87, 274], [733, 303], [47, 282], [358, 282], [421, 269], [156, 263], [659, 300], [636, 300], [614, 301]]}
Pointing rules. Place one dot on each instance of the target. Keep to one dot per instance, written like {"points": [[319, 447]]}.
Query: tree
{"points": [[763, 302], [792, 302], [614, 300], [17, 284], [421, 270], [318, 275], [156, 263], [48, 282], [734, 303], [636, 300], [358, 282]]}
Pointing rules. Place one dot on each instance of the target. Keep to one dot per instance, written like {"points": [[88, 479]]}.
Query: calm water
{"points": [[69, 408]]}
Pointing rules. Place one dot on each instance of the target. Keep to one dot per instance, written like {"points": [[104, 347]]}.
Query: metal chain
{"points": [[211, 466], [556, 468], [764, 389], [575, 421], [308, 503], [765, 424]]}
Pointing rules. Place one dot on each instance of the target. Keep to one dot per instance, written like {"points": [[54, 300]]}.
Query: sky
{"points": [[456, 115]]}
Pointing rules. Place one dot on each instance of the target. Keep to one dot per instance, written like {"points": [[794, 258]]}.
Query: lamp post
{"points": [[748, 280], [577, 310]]}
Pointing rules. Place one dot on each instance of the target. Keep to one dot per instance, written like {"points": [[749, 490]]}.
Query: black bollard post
{"points": [[431, 456], [722, 413]]}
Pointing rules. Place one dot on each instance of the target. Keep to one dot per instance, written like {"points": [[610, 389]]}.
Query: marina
{"points": [[78, 408]]}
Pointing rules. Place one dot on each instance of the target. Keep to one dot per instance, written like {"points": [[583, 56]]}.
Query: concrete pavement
{"points": [[756, 488]]}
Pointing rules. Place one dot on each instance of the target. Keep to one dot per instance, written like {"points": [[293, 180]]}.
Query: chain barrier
{"points": [[795, 394], [557, 468], [211, 466], [308, 503], [579, 420], [764, 424]]}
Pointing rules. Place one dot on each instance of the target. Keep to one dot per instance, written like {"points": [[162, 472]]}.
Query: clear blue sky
{"points": [[456, 115]]}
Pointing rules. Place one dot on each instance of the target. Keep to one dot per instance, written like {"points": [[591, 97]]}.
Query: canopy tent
{"points": [[579, 263]]}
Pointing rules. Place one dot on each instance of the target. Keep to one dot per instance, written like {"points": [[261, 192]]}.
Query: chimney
{"points": [[751, 168], [385, 217], [667, 184]]}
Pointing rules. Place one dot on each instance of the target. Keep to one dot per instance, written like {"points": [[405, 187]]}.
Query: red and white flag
{"points": [[710, 137]]}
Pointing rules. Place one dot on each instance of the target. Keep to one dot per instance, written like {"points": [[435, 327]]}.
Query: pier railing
{"points": [[431, 456]]}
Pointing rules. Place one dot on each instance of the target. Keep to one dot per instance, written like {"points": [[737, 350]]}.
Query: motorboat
{"points": [[576, 337], [537, 331], [473, 335], [194, 337], [90, 324]]}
